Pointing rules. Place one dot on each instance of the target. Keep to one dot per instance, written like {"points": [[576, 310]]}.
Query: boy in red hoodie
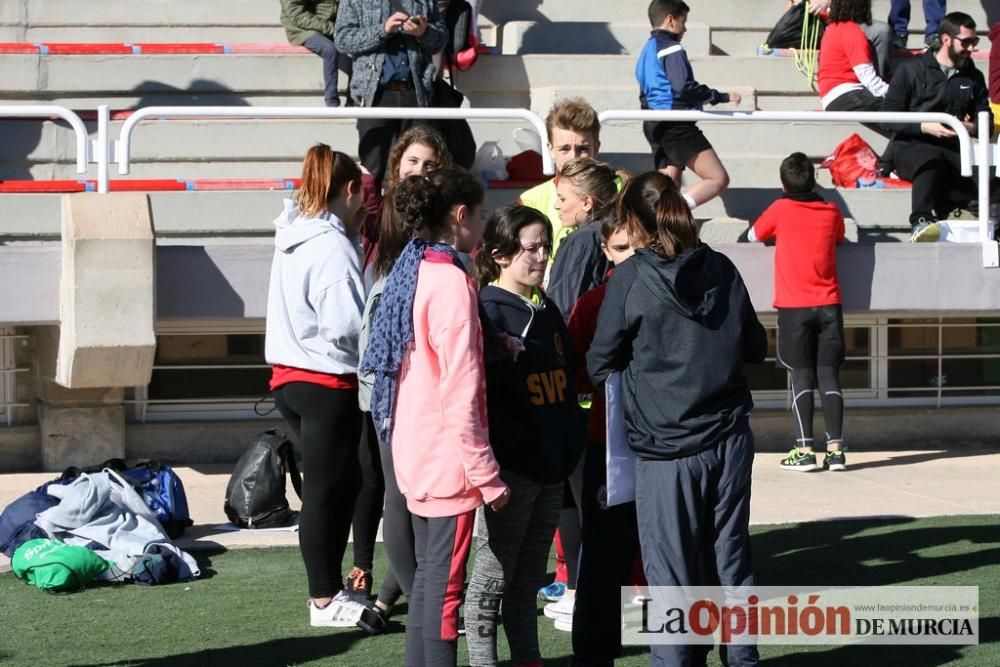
{"points": [[807, 230]]}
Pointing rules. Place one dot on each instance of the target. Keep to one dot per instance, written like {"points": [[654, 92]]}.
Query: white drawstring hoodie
{"points": [[316, 294]]}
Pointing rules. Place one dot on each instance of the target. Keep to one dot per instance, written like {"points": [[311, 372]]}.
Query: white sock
{"points": [[692, 204]]}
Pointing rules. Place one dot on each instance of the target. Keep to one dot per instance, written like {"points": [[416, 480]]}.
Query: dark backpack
{"points": [[787, 32], [255, 496], [17, 522]]}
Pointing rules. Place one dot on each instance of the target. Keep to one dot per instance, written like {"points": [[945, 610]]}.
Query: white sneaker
{"points": [[564, 623], [342, 612], [561, 609]]}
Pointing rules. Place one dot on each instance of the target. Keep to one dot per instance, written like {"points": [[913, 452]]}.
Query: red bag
{"points": [[525, 166], [854, 160]]}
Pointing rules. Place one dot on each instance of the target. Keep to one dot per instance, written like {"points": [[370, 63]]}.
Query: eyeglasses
{"points": [[966, 43], [536, 248]]}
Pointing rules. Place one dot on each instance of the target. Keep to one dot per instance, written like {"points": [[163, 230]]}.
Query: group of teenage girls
{"points": [[415, 326]]}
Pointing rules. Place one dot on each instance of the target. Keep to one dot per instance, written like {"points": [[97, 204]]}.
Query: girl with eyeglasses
{"points": [[512, 553]]}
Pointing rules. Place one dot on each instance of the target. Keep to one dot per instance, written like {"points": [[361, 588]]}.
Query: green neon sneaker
{"points": [[799, 461], [925, 231], [835, 461]]}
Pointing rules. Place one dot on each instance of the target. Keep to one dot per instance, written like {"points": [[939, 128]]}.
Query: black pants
{"points": [[860, 100], [610, 547], [811, 347], [442, 548], [938, 189], [368, 507], [376, 135], [327, 424], [938, 184], [571, 523], [694, 528], [397, 535]]}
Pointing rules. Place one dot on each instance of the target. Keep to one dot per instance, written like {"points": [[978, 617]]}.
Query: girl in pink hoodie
{"points": [[428, 402]]}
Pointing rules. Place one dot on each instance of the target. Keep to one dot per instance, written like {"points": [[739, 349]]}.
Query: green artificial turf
{"points": [[249, 607]]}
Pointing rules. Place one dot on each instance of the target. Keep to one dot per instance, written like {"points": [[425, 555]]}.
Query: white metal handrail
{"points": [[44, 111], [123, 153], [964, 141]]}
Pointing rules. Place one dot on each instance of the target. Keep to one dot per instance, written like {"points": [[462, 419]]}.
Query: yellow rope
{"points": [[807, 55]]}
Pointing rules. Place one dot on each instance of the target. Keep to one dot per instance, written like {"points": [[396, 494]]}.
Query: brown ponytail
{"points": [[324, 173], [655, 214]]}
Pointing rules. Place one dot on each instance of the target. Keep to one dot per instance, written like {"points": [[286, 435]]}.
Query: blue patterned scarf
{"points": [[392, 330]]}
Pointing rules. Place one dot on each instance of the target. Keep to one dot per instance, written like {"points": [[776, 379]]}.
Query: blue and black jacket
{"points": [[666, 80]]}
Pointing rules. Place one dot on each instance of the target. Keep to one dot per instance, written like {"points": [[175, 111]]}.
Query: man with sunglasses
{"points": [[946, 81]]}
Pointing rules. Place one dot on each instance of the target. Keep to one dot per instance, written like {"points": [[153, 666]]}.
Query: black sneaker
{"points": [[835, 461], [373, 619], [799, 461], [899, 41]]}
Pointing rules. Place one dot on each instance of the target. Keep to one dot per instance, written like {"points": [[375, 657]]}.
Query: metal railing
{"points": [[123, 150], [105, 150], [983, 154], [48, 111]]}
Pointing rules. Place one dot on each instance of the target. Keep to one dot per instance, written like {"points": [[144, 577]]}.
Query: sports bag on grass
{"points": [[56, 566], [255, 496]]}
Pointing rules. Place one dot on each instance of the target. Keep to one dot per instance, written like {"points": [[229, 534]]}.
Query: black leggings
{"points": [[327, 424], [804, 380], [368, 507]]}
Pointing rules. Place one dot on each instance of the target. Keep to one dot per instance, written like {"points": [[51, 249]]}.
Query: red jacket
{"points": [[582, 325], [807, 231]]}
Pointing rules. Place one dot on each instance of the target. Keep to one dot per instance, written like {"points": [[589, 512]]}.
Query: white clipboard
{"points": [[619, 459]]}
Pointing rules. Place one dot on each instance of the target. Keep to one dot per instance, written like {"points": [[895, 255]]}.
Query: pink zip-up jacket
{"points": [[440, 437]]}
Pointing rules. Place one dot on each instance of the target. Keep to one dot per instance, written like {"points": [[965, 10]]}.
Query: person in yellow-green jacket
{"points": [[574, 131], [310, 23]]}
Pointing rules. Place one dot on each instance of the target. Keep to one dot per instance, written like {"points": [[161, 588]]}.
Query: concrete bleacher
{"points": [[543, 51]]}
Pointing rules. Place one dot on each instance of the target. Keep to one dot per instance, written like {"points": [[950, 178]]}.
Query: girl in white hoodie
{"points": [[314, 308]]}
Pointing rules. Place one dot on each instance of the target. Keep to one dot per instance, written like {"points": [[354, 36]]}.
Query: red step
{"points": [[150, 185]]}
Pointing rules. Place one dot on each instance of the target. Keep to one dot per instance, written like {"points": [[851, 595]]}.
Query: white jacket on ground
{"points": [[104, 509], [316, 294]]}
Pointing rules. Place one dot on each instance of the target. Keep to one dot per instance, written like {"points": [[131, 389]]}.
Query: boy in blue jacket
{"points": [[666, 82]]}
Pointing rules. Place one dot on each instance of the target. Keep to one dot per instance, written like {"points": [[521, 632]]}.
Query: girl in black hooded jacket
{"points": [[678, 324]]}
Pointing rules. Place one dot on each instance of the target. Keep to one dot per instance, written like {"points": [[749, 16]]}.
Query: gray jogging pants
{"points": [[509, 568]]}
